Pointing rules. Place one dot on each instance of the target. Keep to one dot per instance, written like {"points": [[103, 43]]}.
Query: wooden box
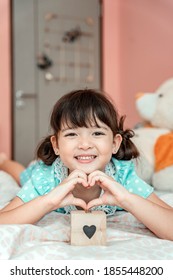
{"points": [[88, 228]]}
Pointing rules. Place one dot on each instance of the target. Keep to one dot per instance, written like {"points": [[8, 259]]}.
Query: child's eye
{"points": [[98, 133], [71, 134]]}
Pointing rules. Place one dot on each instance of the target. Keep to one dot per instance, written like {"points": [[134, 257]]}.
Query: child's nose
{"points": [[85, 143]]}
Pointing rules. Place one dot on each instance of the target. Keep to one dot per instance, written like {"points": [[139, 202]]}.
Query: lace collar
{"points": [[61, 172]]}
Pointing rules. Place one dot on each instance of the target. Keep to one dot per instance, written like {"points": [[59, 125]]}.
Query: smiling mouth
{"points": [[85, 158]]}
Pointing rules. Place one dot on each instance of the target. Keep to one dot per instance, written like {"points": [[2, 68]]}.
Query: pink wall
{"points": [[137, 55], [138, 49], [5, 81], [111, 50]]}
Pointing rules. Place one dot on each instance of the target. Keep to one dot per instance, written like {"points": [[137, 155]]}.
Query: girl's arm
{"points": [[156, 217], [152, 212], [17, 212]]}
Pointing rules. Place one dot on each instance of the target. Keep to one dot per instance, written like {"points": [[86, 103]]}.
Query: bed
{"points": [[49, 239]]}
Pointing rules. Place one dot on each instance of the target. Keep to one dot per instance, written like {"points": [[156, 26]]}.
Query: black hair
{"points": [[78, 109]]}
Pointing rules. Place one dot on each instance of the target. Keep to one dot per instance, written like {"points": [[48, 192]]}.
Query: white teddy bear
{"points": [[155, 139]]}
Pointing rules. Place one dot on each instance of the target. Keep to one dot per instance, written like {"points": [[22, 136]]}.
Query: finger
{"points": [[79, 202], [95, 176], [105, 182], [78, 173], [68, 186], [69, 199], [98, 179], [94, 202], [77, 180]]}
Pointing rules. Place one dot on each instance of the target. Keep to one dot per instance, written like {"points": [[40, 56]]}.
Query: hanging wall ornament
{"points": [[50, 16], [72, 35], [90, 21], [44, 62], [49, 76]]}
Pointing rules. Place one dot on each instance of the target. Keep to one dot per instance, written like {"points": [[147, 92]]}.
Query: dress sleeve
{"points": [[26, 174], [27, 192], [132, 182], [38, 180]]}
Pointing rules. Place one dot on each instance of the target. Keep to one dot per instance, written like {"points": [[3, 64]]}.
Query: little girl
{"points": [[86, 163]]}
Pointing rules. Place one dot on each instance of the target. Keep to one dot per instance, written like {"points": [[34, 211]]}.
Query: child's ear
{"points": [[116, 143], [54, 144]]}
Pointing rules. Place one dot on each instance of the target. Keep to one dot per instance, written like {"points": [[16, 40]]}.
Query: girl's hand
{"points": [[114, 193], [62, 195]]}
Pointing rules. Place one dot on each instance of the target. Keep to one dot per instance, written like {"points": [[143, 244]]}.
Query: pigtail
{"points": [[45, 151], [127, 150]]}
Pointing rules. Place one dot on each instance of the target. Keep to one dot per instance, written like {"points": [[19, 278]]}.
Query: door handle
{"points": [[21, 94]]}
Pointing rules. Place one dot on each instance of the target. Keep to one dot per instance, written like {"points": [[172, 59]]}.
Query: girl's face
{"points": [[86, 148]]}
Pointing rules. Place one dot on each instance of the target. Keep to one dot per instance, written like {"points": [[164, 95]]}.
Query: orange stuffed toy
{"points": [[154, 139]]}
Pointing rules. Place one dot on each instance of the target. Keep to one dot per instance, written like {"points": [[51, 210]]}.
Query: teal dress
{"points": [[39, 179]]}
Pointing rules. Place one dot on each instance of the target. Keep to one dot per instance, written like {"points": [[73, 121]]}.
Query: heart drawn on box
{"points": [[89, 231]]}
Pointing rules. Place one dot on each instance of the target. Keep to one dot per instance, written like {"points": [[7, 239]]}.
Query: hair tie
{"points": [[126, 134]]}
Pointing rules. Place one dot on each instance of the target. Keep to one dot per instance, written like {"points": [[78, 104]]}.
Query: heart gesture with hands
{"points": [[114, 193]]}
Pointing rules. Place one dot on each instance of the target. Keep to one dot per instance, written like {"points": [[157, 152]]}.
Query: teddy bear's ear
{"points": [[146, 106], [165, 86], [155, 108]]}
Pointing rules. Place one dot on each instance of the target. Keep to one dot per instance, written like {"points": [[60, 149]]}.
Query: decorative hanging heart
{"points": [[89, 230]]}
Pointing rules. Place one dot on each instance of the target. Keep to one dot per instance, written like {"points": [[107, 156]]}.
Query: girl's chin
{"points": [[87, 170]]}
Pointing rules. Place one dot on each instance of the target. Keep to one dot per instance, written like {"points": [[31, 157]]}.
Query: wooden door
{"points": [[56, 49]]}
